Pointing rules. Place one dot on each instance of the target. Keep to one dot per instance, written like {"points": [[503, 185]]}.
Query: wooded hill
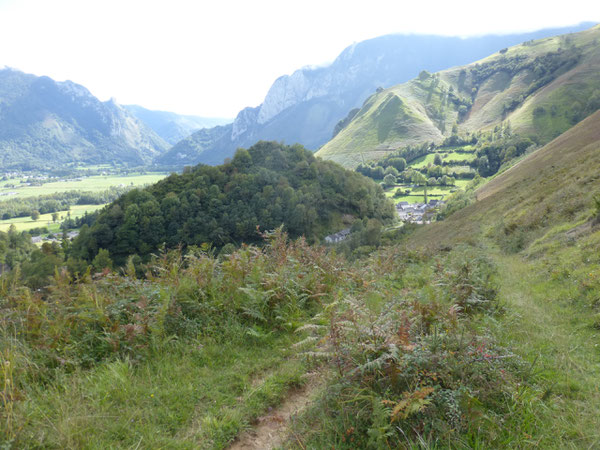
{"points": [[263, 187]]}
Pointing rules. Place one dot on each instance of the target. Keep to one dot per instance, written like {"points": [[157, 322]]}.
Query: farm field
{"points": [[93, 183], [45, 220], [449, 157], [417, 193]]}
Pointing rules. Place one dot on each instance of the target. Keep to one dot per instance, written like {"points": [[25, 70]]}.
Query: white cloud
{"points": [[215, 57]]}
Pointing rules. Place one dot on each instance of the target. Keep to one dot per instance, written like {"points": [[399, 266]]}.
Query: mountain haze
{"points": [[173, 127], [306, 106], [541, 88], [44, 124]]}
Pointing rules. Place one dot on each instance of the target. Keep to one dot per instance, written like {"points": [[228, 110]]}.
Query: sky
{"points": [[213, 58]]}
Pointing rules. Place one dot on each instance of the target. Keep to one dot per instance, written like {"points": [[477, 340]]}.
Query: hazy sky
{"points": [[215, 57]]}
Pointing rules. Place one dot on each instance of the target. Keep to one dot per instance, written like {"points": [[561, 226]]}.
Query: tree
{"points": [[437, 159], [424, 75], [389, 180], [35, 215], [391, 170], [54, 217], [398, 163], [377, 173], [102, 260]]}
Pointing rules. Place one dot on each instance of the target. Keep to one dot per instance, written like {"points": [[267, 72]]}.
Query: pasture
{"points": [[94, 183]]}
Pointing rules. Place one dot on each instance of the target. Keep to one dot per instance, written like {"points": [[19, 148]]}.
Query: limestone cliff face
{"points": [[244, 123]]}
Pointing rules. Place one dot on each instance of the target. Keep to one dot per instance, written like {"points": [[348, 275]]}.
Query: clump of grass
{"points": [[596, 199]]}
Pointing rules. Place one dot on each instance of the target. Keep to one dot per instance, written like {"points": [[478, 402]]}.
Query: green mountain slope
{"points": [[541, 88], [545, 199], [45, 124]]}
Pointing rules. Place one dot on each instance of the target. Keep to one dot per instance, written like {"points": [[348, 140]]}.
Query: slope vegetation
{"points": [[541, 88], [544, 196]]}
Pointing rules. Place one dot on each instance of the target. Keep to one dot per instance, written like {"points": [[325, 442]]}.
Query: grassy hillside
{"points": [[541, 88], [540, 223], [544, 196]]}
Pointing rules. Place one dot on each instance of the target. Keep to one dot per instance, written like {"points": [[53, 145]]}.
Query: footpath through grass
{"points": [[545, 323], [187, 395]]}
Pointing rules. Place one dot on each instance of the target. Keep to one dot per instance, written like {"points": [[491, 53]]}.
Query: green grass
{"points": [[188, 395], [545, 324], [459, 157], [417, 194], [95, 184], [45, 220]]}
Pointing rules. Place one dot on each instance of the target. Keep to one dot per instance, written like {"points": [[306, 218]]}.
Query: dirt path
{"points": [[271, 430]]}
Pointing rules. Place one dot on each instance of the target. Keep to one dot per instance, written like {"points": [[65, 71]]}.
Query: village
{"points": [[419, 213]]}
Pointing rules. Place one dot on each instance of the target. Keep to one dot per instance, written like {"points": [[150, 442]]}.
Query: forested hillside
{"points": [[262, 188]]}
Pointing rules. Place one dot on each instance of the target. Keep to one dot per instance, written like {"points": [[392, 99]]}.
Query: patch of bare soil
{"points": [[271, 430]]}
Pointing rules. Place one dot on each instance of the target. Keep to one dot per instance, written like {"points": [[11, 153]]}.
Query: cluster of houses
{"points": [[54, 237], [417, 212], [408, 212], [337, 237]]}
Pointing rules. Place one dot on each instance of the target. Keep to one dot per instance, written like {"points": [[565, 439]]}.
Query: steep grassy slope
{"points": [[541, 87], [539, 221], [551, 189]]}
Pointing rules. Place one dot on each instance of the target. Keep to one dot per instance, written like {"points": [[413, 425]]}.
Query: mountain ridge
{"points": [[540, 87], [305, 106], [171, 126], [44, 124]]}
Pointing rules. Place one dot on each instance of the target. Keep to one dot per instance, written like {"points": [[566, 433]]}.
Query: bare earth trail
{"points": [[541, 325], [272, 429]]}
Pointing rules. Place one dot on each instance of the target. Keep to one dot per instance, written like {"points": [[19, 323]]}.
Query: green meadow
{"points": [[93, 183], [45, 220]]}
